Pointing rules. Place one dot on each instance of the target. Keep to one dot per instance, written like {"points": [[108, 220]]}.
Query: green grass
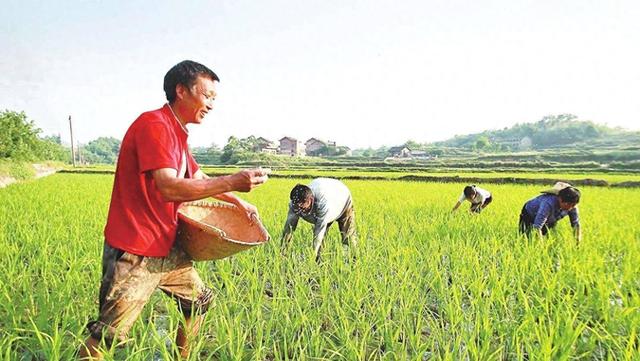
{"points": [[20, 170], [15, 169], [426, 284]]}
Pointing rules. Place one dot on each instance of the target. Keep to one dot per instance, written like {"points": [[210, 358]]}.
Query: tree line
{"points": [[21, 140]]}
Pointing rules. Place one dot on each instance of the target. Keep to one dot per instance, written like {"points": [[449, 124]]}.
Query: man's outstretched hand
{"points": [[248, 179]]}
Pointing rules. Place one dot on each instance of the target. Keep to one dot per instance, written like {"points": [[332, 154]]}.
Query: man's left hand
{"points": [[250, 210]]}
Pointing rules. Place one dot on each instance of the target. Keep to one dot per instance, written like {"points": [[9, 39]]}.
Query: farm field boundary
{"points": [[25, 172], [424, 178]]}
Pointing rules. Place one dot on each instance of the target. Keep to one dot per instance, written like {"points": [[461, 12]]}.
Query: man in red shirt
{"points": [[154, 175]]}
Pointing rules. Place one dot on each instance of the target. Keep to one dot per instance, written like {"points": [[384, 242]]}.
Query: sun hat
{"points": [[556, 188]]}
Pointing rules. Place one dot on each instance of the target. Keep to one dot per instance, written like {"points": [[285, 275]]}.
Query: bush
{"points": [[19, 136], [17, 170], [19, 140], [625, 165], [103, 150]]}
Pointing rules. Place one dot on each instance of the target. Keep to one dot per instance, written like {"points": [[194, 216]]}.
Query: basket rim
{"points": [[221, 233]]}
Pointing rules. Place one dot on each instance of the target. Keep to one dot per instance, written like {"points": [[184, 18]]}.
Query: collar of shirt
{"points": [[557, 213], [180, 130]]}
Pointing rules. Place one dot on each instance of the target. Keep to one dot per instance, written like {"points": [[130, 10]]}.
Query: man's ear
{"points": [[181, 91]]}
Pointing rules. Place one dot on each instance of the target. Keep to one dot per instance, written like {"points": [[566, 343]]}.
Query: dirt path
{"points": [[41, 170], [5, 181]]}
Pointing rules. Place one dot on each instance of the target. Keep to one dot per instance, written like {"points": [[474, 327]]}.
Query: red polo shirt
{"points": [[140, 221]]}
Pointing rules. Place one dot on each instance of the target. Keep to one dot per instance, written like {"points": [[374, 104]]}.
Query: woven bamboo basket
{"points": [[208, 231]]}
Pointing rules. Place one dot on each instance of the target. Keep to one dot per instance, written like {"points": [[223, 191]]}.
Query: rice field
{"points": [[391, 174], [395, 174], [423, 284]]}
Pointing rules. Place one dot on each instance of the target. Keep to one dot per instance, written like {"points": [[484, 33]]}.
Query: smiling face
{"points": [[195, 102]]}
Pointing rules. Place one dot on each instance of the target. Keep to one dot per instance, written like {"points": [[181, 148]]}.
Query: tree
{"points": [[325, 150], [381, 152], [102, 150], [19, 140], [207, 155], [234, 147], [413, 145], [52, 149], [482, 143], [53, 139], [214, 151], [19, 136], [341, 150]]}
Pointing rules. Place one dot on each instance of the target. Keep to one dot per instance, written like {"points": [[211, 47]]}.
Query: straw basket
{"points": [[208, 231]]}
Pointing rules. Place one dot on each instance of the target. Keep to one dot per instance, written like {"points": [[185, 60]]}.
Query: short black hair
{"points": [[300, 193], [469, 190], [185, 72], [570, 195]]}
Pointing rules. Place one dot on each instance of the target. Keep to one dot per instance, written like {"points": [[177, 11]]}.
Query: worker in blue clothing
{"points": [[542, 213]]}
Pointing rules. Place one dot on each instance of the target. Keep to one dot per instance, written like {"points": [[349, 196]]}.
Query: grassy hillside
{"points": [[551, 132]]}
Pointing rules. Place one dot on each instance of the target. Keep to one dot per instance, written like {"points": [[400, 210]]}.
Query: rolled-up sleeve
{"points": [[574, 217], [292, 222]]}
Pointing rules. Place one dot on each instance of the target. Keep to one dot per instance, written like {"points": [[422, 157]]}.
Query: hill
{"points": [[551, 132]]}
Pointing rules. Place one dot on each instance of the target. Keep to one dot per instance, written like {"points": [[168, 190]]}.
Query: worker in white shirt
{"points": [[321, 203], [478, 197]]}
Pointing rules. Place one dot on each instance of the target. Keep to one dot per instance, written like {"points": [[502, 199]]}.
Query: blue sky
{"points": [[362, 73]]}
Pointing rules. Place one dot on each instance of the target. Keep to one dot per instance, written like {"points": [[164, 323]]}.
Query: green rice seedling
{"points": [[423, 283]]}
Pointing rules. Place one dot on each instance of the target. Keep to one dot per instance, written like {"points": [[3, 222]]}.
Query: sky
{"points": [[361, 73]]}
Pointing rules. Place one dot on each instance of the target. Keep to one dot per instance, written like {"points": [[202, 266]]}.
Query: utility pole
{"points": [[73, 152]]}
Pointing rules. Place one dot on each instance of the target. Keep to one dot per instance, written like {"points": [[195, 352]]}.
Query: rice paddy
{"points": [[423, 284]]}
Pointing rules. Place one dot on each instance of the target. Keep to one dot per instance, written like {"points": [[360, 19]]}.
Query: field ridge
{"points": [[593, 182]]}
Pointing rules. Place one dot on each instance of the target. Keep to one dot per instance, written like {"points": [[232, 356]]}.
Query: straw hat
{"points": [[556, 188], [208, 231]]}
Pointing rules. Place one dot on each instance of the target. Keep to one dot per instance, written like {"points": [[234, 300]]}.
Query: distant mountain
{"points": [[553, 131]]}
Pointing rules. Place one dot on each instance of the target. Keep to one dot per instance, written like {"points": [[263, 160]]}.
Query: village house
{"points": [[524, 143], [318, 147], [420, 154], [400, 152], [291, 146], [314, 146], [264, 145], [404, 152]]}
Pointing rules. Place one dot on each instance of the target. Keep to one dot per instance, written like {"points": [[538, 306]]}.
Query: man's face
{"points": [[303, 207], [566, 206], [470, 197], [198, 100]]}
